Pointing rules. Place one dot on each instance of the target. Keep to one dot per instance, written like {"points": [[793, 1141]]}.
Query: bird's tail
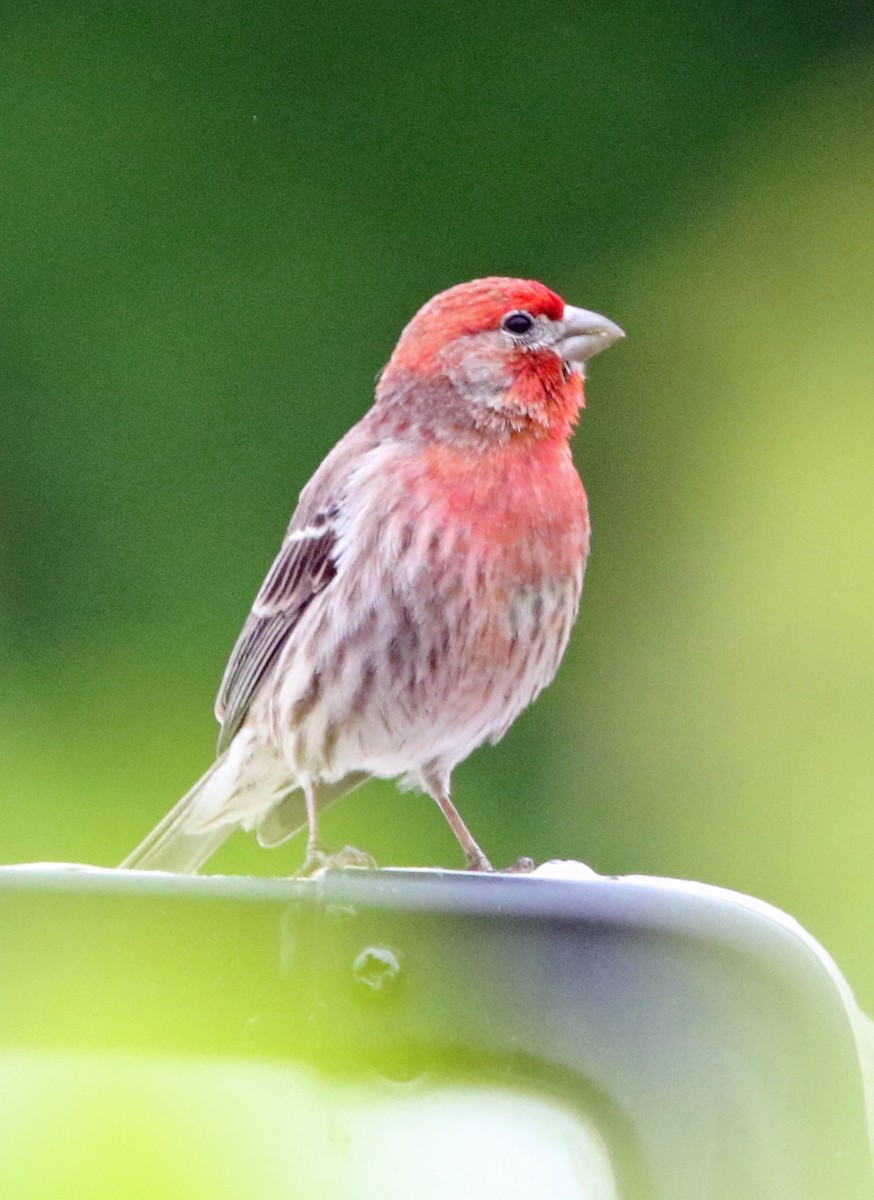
{"points": [[176, 843], [246, 785]]}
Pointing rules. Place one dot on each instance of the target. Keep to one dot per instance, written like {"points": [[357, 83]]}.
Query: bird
{"points": [[426, 586]]}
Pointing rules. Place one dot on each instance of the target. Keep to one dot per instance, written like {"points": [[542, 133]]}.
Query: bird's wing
{"points": [[305, 566]]}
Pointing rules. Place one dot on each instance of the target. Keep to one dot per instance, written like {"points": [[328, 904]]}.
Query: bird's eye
{"points": [[518, 323]]}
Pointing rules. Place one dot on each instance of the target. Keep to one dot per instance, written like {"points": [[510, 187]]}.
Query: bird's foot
{"points": [[522, 866], [478, 862], [350, 856], [318, 860]]}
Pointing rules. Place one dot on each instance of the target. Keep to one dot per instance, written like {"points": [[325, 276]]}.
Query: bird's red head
{"points": [[470, 309], [500, 355]]}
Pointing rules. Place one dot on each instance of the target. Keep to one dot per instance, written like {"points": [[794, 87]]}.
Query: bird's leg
{"points": [[317, 859], [476, 860]]}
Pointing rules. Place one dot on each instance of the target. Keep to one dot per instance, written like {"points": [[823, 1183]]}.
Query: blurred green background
{"points": [[215, 221]]}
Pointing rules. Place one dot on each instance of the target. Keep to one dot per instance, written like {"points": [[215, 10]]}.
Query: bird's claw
{"points": [[522, 866], [479, 863], [317, 860], [351, 856]]}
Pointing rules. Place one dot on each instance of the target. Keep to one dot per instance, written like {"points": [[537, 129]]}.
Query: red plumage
{"points": [[426, 586]]}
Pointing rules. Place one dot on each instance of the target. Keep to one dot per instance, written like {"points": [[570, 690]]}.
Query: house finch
{"points": [[427, 584]]}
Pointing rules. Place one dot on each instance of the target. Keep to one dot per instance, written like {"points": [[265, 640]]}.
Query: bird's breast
{"points": [[520, 509], [447, 616]]}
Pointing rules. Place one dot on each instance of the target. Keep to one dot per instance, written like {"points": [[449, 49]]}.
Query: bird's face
{"points": [[509, 346]]}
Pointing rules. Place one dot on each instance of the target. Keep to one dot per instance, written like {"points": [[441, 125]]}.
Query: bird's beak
{"points": [[584, 334]]}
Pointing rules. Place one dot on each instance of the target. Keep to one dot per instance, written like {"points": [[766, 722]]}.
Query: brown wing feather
{"points": [[304, 567]]}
